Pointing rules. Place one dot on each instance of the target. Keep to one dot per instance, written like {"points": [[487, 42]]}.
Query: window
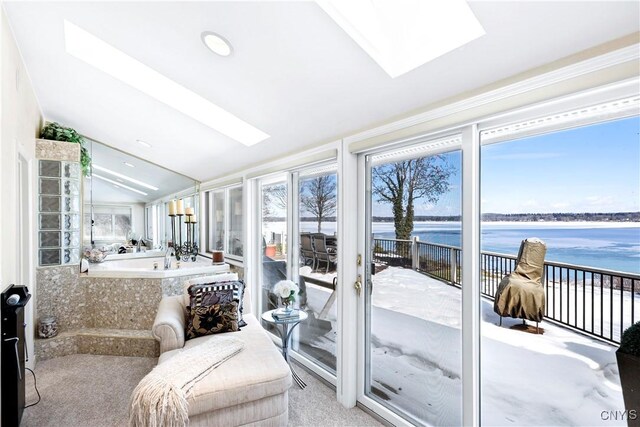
{"points": [[234, 245], [316, 271], [153, 224], [224, 217], [110, 224], [297, 241], [575, 189]]}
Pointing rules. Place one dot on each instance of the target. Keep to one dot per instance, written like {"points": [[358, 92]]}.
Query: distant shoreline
{"points": [[540, 224]]}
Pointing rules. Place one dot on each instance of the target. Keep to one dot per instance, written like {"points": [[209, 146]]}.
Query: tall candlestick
{"points": [[172, 208], [179, 208], [188, 211]]}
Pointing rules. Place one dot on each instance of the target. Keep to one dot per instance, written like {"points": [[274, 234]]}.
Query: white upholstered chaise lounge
{"points": [[250, 389]]}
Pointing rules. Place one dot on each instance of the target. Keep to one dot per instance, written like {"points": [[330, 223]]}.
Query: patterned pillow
{"points": [[214, 319], [197, 294], [207, 299]]}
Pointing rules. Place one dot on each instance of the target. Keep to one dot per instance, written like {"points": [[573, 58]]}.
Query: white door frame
{"points": [[26, 240], [470, 294]]}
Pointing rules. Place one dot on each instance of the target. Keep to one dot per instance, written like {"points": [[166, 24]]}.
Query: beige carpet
{"points": [[85, 391]]}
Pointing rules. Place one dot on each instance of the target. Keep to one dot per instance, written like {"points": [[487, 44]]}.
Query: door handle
{"points": [[358, 284], [15, 342]]}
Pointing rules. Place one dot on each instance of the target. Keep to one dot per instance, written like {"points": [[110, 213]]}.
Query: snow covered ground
{"points": [[559, 378]]}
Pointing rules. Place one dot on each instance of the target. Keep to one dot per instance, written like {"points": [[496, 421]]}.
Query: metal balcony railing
{"points": [[597, 302]]}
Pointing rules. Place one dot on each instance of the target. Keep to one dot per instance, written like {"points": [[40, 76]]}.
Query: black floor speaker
{"points": [[12, 304]]}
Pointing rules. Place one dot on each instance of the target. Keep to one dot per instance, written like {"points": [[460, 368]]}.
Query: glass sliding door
{"points": [[412, 287], [560, 272], [273, 239], [317, 269]]}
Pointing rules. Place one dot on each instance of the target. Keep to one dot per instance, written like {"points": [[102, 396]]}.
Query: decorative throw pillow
{"points": [[214, 319], [201, 298], [197, 294]]}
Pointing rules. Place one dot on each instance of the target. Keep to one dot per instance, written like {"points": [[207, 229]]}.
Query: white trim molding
{"points": [[357, 142]]}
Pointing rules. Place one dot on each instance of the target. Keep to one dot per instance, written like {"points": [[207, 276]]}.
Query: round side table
{"points": [[284, 328]]}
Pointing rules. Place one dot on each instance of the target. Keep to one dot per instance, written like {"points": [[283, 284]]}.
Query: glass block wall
{"points": [[58, 212]]}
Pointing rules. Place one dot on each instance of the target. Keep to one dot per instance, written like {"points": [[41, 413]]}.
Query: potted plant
{"points": [[287, 291], [270, 250], [53, 131], [628, 357]]}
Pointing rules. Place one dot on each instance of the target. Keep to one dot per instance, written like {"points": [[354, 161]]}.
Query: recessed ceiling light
{"points": [[115, 184], [128, 164], [143, 143], [403, 35], [216, 43], [94, 51], [128, 178]]}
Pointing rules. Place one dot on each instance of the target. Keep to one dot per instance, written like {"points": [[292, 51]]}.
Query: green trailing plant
{"points": [[630, 342], [53, 131]]}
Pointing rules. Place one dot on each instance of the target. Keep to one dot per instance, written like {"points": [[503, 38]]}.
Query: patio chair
{"points": [[307, 252], [520, 294], [323, 252]]}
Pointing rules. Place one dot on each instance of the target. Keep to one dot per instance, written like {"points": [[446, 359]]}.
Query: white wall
{"points": [[20, 123]]}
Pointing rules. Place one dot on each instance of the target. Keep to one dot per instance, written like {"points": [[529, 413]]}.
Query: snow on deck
{"points": [[559, 378]]}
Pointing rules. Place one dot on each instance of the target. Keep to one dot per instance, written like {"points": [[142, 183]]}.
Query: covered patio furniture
{"points": [[521, 294], [307, 252], [323, 252]]}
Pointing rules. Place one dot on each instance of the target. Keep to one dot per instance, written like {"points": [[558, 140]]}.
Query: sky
{"points": [[588, 169]]}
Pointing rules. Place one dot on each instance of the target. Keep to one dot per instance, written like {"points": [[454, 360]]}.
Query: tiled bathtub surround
{"points": [[99, 315], [59, 293], [121, 303], [110, 342]]}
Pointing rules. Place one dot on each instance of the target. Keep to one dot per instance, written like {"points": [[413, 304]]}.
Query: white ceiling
{"points": [[293, 74]]}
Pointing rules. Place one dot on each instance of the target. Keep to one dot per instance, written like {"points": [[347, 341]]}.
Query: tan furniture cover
{"points": [[520, 294], [251, 388]]}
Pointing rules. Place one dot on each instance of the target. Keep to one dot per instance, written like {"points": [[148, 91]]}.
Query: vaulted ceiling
{"points": [[294, 73]]}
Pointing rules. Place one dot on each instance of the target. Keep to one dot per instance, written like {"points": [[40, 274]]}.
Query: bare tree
{"points": [[273, 197], [319, 197], [402, 183]]}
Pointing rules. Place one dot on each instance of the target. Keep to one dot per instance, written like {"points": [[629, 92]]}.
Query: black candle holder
{"points": [[188, 250]]}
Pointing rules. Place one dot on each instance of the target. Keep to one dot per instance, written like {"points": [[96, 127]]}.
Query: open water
{"points": [[609, 247]]}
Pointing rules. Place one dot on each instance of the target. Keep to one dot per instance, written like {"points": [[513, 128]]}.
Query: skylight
{"points": [[403, 35], [94, 51]]}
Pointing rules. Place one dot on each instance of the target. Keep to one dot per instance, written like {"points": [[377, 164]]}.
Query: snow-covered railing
{"points": [[598, 302], [440, 261], [393, 252]]}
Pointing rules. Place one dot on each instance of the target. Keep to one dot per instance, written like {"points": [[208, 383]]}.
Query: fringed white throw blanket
{"points": [[160, 399]]}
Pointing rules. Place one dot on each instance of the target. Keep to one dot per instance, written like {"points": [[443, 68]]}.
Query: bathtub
{"points": [[143, 268]]}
